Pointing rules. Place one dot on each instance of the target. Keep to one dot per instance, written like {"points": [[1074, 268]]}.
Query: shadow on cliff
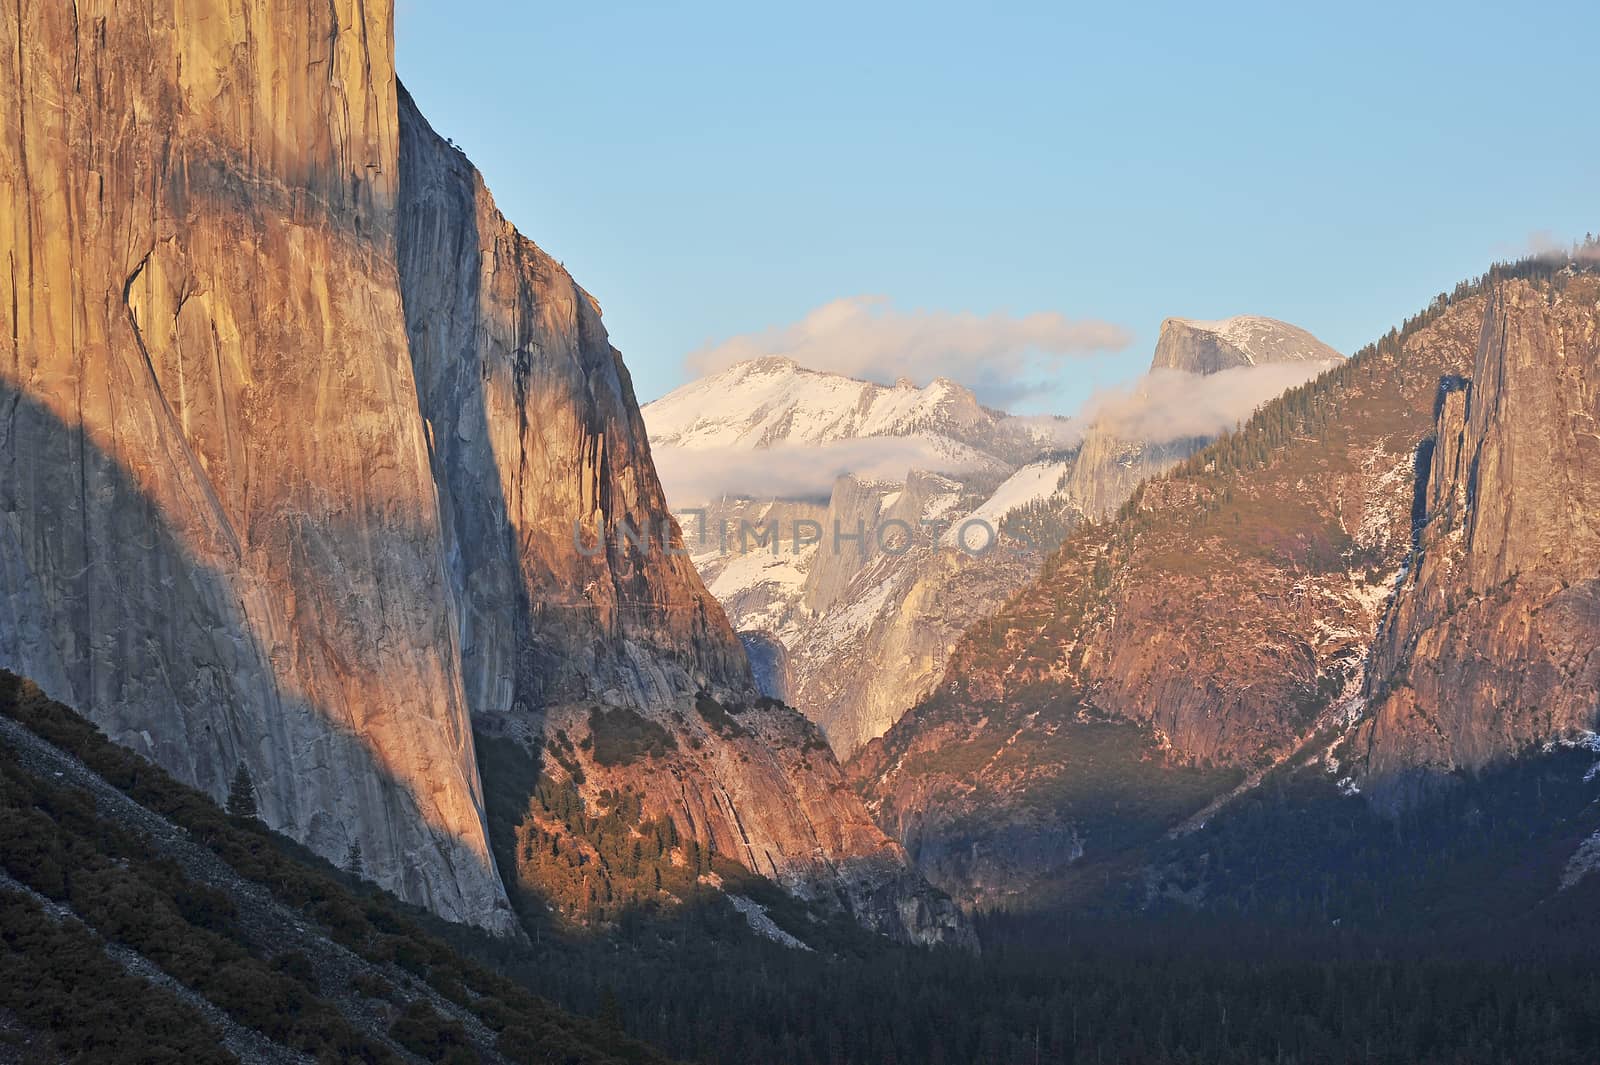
{"points": [[107, 606]]}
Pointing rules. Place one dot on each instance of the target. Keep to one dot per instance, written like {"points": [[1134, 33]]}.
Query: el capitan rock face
{"points": [[542, 459], [221, 537], [294, 431]]}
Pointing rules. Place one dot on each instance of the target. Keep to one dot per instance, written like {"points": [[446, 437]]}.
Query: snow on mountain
{"points": [[1201, 346], [1033, 483], [862, 630], [767, 402]]}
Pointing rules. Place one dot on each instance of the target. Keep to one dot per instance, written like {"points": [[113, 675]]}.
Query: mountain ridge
{"points": [[1292, 531]]}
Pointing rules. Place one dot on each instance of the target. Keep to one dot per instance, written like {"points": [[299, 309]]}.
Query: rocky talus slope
{"points": [[311, 464], [1168, 655]]}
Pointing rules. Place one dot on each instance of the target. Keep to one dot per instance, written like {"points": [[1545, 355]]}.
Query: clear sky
{"points": [[709, 170]]}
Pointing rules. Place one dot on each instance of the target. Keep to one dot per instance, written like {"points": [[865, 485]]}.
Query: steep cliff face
{"points": [[221, 538], [1167, 655], [1243, 340], [310, 462], [587, 637], [1492, 642], [1135, 441], [573, 577]]}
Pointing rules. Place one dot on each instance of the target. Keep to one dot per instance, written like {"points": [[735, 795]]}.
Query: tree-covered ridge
{"points": [[1226, 611], [284, 946]]}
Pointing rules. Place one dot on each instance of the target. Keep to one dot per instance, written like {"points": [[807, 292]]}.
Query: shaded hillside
{"points": [[245, 941], [1221, 620], [203, 938]]}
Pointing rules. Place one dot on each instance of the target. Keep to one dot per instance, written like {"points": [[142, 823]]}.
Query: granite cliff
{"points": [[1491, 644], [221, 538], [311, 464], [582, 619]]}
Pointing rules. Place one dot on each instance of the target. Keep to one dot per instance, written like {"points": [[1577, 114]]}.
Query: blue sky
{"points": [[710, 170]]}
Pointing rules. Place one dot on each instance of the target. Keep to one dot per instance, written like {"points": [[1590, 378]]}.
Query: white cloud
{"points": [[998, 356], [1544, 244], [693, 476], [1049, 430], [1171, 404]]}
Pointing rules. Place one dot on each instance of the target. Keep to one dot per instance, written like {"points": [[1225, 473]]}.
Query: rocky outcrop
{"points": [[1169, 654], [573, 577], [219, 533], [579, 608], [1492, 642], [1245, 340], [755, 782]]}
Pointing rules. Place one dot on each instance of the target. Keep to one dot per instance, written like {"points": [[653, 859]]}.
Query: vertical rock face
{"points": [[310, 462], [573, 580], [1493, 641], [583, 625], [219, 531], [1244, 340]]}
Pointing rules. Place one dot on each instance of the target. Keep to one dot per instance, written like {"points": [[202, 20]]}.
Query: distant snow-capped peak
{"points": [[1206, 346], [773, 400]]}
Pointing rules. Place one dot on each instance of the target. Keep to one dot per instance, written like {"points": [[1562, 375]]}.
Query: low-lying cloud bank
{"points": [[692, 476], [1000, 357], [1168, 405], [1161, 406]]}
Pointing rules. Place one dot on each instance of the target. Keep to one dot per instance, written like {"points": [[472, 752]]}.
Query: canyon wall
{"points": [[1492, 642], [219, 532]]}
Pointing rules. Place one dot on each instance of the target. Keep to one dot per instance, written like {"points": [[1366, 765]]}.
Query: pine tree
{"points": [[352, 860], [242, 794], [610, 1015]]}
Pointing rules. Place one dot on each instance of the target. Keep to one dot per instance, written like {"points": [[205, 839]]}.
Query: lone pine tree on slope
{"points": [[352, 861], [242, 794]]}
